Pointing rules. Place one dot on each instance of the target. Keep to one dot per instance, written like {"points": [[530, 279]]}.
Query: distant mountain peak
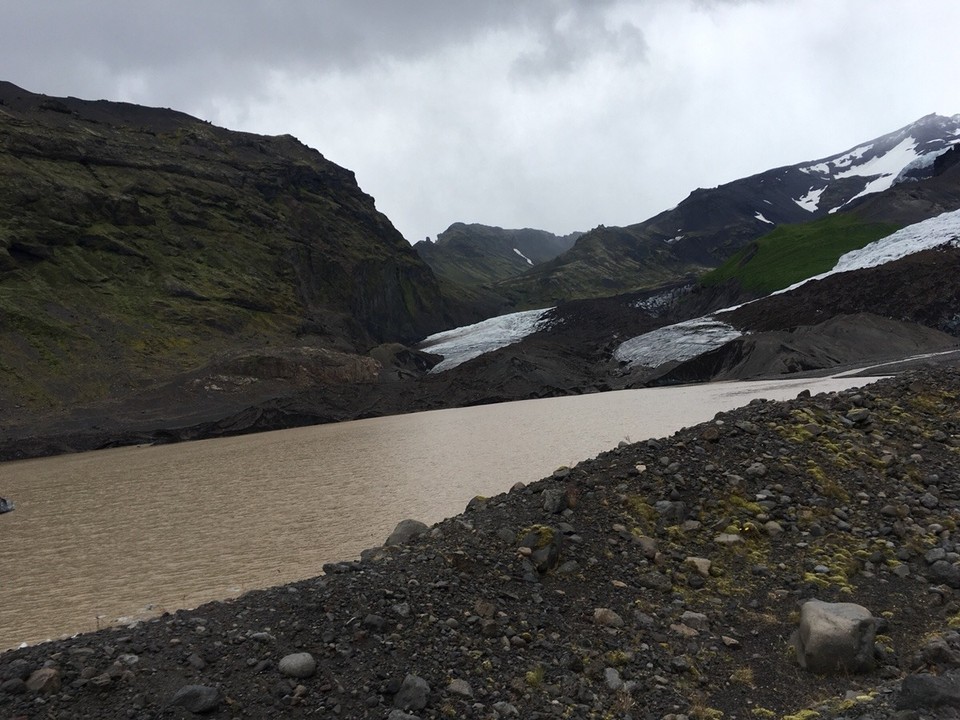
{"points": [[902, 155], [711, 224]]}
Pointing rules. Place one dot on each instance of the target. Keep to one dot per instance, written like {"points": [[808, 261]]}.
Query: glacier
{"points": [[691, 338], [678, 342], [465, 343]]}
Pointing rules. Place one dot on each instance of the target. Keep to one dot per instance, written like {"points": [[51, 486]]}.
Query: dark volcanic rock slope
{"points": [[138, 242], [661, 578], [711, 224]]}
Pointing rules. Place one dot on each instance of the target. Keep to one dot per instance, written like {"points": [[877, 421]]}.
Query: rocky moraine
{"points": [[666, 579]]}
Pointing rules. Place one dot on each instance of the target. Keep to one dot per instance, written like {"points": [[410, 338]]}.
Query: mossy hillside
{"points": [[130, 251], [604, 262], [475, 254], [791, 253]]}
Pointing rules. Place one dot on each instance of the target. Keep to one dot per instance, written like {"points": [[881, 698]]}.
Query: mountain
{"points": [[480, 254], [471, 259], [138, 244], [894, 296], [710, 225], [166, 280]]}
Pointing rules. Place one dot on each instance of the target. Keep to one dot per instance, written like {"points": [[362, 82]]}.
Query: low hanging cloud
{"points": [[566, 40], [559, 114]]}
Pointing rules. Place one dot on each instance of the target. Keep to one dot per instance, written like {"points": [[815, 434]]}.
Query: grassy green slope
{"points": [[791, 253]]}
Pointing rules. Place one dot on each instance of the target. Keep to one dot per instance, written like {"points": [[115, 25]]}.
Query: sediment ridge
{"points": [[662, 579]]}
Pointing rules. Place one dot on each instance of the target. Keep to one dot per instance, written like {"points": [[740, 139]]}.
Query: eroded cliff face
{"points": [[136, 243]]}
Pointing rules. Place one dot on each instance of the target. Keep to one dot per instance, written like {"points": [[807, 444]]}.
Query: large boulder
{"points": [[298, 665], [835, 638], [926, 692], [405, 531], [413, 694], [197, 699]]}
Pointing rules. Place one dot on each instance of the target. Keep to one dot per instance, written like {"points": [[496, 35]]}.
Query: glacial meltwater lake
{"points": [[114, 535]]}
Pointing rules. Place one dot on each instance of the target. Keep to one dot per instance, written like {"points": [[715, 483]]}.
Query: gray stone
{"points": [[672, 511], [460, 687], [934, 554], [757, 469], [547, 557], [655, 581], [938, 651], [944, 572], [901, 571], [607, 618], [405, 531], [128, 659], [375, 622], [413, 693], [695, 620], [612, 678], [926, 692], [401, 715], [45, 680], [858, 415], [505, 709], [297, 665], [554, 501], [648, 546], [772, 528], [19, 668], [701, 565], [929, 501], [401, 610], [197, 698], [13, 686], [835, 638]]}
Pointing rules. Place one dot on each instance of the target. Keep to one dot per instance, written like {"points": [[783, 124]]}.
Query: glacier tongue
{"points": [[470, 341], [676, 343], [691, 338]]}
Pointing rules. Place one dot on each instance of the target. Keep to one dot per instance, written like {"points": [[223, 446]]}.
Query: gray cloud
{"points": [[566, 40], [225, 45], [560, 114]]}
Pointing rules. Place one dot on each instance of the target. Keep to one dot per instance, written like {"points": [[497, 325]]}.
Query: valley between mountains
{"points": [[162, 279]]}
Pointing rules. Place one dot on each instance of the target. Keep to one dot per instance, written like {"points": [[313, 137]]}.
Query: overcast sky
{"points": [[555, 114]]}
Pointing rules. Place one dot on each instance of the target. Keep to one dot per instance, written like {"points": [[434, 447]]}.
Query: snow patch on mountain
{"points": [[470, 341], [692, 338], [888, 166], [676, 343], [851, 156], [759, 216], [811, 201], [529, 261], [890, 162], [842, 161]]}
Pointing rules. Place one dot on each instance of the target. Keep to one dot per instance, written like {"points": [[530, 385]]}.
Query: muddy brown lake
{"points": [[118, 535]]}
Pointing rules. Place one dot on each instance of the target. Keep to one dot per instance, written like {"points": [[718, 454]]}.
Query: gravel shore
{"points": [[662, 578]]}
